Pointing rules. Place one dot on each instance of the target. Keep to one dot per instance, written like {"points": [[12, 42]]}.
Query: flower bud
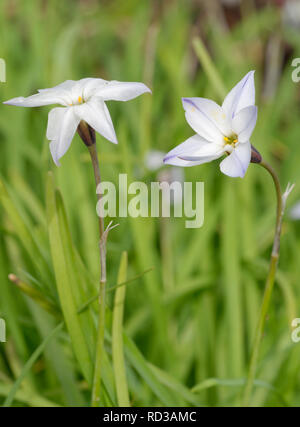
{"points": [[86, 133], [255, 155]]}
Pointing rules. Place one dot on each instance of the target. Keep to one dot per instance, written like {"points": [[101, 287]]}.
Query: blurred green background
{"points": [[190, 321]]}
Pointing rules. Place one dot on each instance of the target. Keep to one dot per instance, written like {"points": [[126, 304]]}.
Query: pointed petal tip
{"points": [[170, 158], [53, 154], [249, 74], [14, 101], [148, 90], [252, 74], [56, 160], [183, 100], [113, 139], [166, 159]]}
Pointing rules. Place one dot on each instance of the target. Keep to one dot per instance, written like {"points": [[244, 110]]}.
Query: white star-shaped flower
{"points": [[220, 130], [82, 100]]}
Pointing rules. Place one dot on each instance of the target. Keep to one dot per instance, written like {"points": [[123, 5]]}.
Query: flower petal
{"points": [[244, 123], [121, 91], [90, 86], [86, 88], [201, 115], [236, 164], [241, 96], [38, 100], [194, 151], [71, 90], [66, 85], [96, 114], [62, 125]]}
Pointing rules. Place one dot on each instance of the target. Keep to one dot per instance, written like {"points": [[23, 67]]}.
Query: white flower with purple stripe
{"points": [[224, 130]]}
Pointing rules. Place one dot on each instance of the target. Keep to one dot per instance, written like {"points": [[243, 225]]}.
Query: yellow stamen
{"points": [[80, 100], [231, 140]]}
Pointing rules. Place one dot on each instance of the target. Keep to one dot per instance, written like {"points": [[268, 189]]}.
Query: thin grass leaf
{"points": [[28, 365], [140, 365], [79, 287], [209, 67], [216, 382], [64, 284], [117, 337], [174, 385], [23, 232], [27, 397]]}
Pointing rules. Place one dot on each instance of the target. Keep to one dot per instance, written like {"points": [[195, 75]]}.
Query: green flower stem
{"points": [[269, 285], [96, 391]]}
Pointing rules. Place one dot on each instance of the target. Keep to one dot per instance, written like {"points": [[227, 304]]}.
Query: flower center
{"points": [[231, 140], [77, 101]]}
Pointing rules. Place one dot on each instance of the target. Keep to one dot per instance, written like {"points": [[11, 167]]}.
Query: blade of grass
{"points": [[27, 397], [23, 232], [174, 385], [209, 67], [215, 382], [145, 253], [117, 337], [232, 283], [64, 284], [28, 365], [139, 363], [79, 288]]}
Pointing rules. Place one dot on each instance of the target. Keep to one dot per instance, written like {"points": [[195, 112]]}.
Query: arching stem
{"points": [[281, 202]]}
